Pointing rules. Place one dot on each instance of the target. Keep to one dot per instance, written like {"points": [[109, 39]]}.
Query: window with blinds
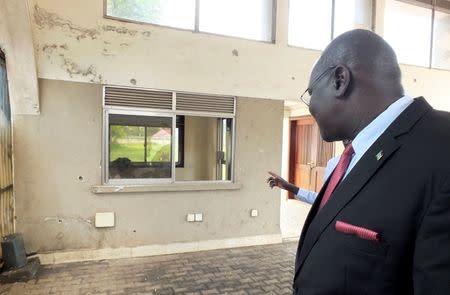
{"points": [[165, 136]]}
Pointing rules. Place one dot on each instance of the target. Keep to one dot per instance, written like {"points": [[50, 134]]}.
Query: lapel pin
{"points": [[379, 155]]}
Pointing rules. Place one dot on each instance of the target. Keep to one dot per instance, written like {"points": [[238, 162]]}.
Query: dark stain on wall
{"points": [[45, 19]]}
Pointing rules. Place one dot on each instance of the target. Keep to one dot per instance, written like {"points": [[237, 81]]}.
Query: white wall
{"points": [[17, 44]]}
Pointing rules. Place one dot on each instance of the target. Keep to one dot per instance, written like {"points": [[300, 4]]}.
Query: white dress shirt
{"points": [[362, 142]]}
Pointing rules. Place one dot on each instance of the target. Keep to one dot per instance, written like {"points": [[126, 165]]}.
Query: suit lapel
{"points": [[378, 154]]}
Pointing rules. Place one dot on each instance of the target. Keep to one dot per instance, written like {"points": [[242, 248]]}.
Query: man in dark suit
{"points": [[381, 223]]}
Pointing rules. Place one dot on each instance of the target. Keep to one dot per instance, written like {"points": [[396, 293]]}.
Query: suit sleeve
{"points": [[432, 250]]}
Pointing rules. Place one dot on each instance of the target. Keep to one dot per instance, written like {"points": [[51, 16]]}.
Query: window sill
{"points": [[167, 187]]}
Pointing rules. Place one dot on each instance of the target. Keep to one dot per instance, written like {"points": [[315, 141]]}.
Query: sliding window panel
{"points": [[441, 40], [139, 147], [249, 19], [310, 23], [172, 13], [407, 28], [352, 14]]}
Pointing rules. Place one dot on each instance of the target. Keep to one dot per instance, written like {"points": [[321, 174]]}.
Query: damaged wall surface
{"points": [[78, 44], [58, 157], [58, 153]]}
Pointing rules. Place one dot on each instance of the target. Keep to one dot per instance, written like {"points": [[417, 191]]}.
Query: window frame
{"points": [[197, 22], [180, 126], [107, 110]]}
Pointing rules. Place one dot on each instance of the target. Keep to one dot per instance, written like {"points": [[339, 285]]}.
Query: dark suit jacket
{"points": [[404, 196]]}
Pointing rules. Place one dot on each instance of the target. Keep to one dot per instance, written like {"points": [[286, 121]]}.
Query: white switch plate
{"points": [[199, 217], [190, 217], [104, 219], [253, 213]]}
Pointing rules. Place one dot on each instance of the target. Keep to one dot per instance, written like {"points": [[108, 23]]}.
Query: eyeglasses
{"points": [[306, 96]]}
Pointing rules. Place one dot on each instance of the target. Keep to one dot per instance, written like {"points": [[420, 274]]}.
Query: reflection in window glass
{"points": [[207, 149], [407, 29], [352, 14], [310, 23], [140, 146], [441, 41], [173, 13], [250, 19]]}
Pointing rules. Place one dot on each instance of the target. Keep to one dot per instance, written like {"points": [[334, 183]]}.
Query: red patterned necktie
{"points": [[338, 174]]}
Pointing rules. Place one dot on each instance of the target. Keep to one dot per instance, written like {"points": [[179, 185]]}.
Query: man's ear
{"points": [[341, 80]]}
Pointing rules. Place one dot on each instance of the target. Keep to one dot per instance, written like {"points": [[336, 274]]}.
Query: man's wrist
{"points": [[292, 188]]}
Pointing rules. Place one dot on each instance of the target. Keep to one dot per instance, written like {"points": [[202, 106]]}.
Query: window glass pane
{"points": [[140, 146], [441, 40], [158, 144], [310, 23], [352, 14], [174, 13], [207, 149], [407, 28], [251, 19]]}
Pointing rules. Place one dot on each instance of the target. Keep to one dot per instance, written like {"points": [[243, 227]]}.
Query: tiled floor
{"points": [[250, 270]]}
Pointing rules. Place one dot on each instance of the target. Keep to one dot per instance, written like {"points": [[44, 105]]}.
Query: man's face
{"points": [[322, 104]]}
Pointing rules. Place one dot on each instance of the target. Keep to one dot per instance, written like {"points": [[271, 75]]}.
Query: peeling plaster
{"points": [[105, 52], [119, 30], [49, 48], [72, 68], [45, 19]]}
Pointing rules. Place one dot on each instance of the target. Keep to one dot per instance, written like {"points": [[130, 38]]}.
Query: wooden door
{"points": [[309, 154]]}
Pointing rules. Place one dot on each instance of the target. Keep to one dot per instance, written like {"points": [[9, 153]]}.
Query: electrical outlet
{"points": [[199, 217], [253, 213], [190, 217]]}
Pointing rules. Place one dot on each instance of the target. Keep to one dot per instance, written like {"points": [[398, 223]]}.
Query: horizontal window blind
{"points": [[138, 98], [204, 103], [164, 100]]}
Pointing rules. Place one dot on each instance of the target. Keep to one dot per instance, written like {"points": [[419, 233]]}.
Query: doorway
{"points": [[308, 154]]}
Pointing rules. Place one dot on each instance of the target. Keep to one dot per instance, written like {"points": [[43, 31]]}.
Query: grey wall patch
{"points": [[235, 52]]}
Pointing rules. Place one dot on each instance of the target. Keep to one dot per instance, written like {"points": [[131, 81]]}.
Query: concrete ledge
{"points": [[152, 250], [169, 187]]}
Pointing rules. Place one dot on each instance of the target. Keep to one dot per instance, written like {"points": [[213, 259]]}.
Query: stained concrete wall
{"points": [[73, 42], [17, 44], [55, 208]]}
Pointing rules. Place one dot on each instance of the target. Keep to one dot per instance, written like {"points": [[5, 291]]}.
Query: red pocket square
{"points": [[361, 232]]}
